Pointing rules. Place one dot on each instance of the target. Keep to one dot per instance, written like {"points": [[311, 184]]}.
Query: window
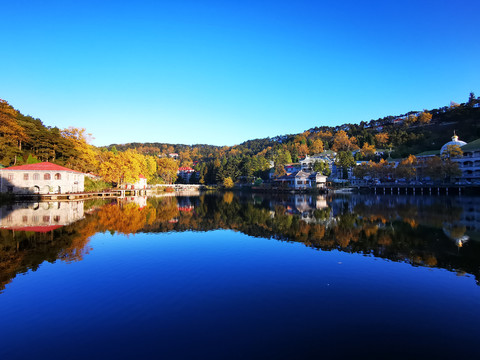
{"points": [[56, 218], [46, 177], [10, 176], [25, 176], [36, 176], [46, 219], [24, 219], [58, 176]]}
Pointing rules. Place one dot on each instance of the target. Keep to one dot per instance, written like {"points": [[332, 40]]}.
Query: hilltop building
{"points": [[41, 178]]}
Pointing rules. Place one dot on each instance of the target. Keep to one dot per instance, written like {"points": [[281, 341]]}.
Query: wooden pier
{"points": [[397, 189], [114, 193]]}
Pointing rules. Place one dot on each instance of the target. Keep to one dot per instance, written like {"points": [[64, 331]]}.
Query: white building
{"points": [[41, 178], [141, 184]]}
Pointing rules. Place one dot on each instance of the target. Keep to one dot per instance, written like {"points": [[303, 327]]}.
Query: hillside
{"points": [[26, 139]]}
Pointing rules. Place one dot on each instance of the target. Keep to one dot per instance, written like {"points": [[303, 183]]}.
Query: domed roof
{"points": [[454, 141]]}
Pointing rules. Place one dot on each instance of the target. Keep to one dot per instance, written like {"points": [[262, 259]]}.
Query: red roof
{"points": [[141, 176], [185, 168], [46, 166]]}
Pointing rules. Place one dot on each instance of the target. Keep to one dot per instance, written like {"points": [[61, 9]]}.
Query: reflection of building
{"points": [[40, 217], [41, 178], [184, 204], [141, 201]]}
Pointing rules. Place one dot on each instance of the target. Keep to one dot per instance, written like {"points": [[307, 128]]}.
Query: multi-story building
{"points": [[41, 178]]}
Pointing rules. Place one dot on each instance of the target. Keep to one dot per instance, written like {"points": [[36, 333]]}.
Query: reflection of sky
{"points": [[223, 294]]}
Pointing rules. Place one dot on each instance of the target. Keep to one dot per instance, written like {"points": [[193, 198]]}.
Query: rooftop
{"points": [[474, 145], [43, 166]]}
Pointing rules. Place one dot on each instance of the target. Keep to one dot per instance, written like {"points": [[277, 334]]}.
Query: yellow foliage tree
{"points": [[341, 142], [86, 157]]}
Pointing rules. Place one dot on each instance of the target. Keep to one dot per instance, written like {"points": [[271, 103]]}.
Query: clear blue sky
{"points": [[222, 72]]}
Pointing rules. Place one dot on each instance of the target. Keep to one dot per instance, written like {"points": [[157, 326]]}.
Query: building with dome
{"points": [[455, 141], [469, 163]]}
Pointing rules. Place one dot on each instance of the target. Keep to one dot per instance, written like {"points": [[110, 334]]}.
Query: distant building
{"points": [[302, 180], [185, 173], [173, 155], [469, 163], [327, 156], [41, 178], [141, 184]]}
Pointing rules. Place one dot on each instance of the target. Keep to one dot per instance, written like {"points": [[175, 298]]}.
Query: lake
{"points": [[227, 276]]}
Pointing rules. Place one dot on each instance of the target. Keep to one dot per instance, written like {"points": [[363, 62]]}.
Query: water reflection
{"points": [[438, 232]]}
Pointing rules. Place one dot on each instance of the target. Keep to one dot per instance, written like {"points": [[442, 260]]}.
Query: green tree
{"points": [[345, 161]]}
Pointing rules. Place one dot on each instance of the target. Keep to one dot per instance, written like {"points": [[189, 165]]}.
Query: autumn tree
{"points": [[85, 159], [407, 168], [452, 151], [167, 169], [12, 135], [424, 118], [317, 147], [381, 139], [341, 142], [228, 183], [367, 150]]}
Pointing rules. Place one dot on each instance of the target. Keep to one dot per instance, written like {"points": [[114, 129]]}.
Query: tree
{"points": [[471, 100], [424, 118], [381, 139], [345, 161], [452, 151], [407, 168], [341, 142], [85, 159], [322, 167], [317, 146], [367, 150], [280, 170], [167, 169], [228, 183]]}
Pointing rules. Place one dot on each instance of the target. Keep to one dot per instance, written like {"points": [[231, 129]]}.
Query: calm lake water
{"points": [[223, 276]]}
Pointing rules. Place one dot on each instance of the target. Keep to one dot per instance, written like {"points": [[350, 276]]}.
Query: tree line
{"points": [[24, 139]]}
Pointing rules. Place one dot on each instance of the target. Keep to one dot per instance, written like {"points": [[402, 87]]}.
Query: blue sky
{"points": [[222, 72]]}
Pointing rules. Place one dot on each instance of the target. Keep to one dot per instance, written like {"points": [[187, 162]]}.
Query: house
{"points": [[302, 180], [141, 184], [41, 178], [185, 173], [327, 156]]}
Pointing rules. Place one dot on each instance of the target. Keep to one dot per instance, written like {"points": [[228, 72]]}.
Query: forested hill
{"points": [[410, 133], [24, 139]]}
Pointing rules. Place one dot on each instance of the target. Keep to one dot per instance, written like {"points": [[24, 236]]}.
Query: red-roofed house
{"points": [[185, 172], [41, 178]]}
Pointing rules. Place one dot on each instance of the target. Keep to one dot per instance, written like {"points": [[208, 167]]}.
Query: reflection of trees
{"points": [[390, 229]]}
